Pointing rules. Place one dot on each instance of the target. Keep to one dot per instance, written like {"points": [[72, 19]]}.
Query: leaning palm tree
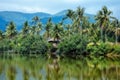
{"points": [[103, 18], [11, 30]]}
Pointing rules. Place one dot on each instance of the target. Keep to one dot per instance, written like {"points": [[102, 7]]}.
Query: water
{"points": [[43, 69]]}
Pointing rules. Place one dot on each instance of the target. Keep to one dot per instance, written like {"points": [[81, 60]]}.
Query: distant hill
{"points": [[19, 18], [2, 23], [61, 13]]}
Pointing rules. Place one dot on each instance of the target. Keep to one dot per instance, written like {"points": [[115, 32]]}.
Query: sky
{"points": [[54, 6]]}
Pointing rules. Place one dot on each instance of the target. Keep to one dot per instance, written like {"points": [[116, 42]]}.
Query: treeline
{"points": [[78, 38]]}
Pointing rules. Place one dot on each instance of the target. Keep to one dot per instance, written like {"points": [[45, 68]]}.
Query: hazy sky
{"points": [[54, 6]]}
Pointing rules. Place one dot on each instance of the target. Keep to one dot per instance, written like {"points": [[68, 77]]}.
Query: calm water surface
{"points": [[43, 69]]}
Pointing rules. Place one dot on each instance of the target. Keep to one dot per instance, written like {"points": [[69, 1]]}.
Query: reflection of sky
{"points": [[53, 6]]}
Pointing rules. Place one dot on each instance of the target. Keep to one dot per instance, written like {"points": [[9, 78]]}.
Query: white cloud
{"points": [[53, 6]]}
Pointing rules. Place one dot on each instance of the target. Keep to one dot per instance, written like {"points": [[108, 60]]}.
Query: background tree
{"points": [[103, 18], [57, 31], [25, 29], [116, 25], [79, 13], [1, 35], [68, 30], [11, 30], [48, 28], [70, 14], [37, 26]]}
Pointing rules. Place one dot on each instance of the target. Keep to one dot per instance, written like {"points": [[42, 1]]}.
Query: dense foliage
{"points": [[73, 46], [78, 38]]}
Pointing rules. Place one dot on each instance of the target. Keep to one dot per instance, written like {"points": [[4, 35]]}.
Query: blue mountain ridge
{"points": [[19, 18]]}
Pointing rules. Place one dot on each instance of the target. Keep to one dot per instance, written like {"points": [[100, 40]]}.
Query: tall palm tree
{"points": [[25, 29], [11, 30], [35, 19], [57, 30], [103, 18], [37, 26], [85, 22], [70, 14], [48, 27], [116, 24], [117, 34], [80, 13], [32, 30]]}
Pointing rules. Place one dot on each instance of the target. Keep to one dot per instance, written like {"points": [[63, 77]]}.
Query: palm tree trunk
{"points": [[81, 30], [106, 39], [101, 32], [116, 36]]}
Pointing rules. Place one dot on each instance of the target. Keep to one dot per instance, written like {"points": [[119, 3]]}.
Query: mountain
{"points": [[61, 13], [90, 17], [2, 23], [19, 18]]}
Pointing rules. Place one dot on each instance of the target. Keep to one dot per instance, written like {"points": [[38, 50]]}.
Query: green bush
{"points": [[31, 44], [73, 46], [116, 49], [99, 48]]}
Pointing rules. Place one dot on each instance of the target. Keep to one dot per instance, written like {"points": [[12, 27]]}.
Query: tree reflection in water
{"points": [[43, 69]]}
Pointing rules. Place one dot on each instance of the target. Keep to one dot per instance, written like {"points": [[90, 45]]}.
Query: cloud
{"points": [[54, 6]]}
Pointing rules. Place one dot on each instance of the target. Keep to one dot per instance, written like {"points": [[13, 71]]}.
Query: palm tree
{"points": [[57, 30], [103, 18], [35, 19], [1, 35], [92, 32], [80, 13], [70, 14], [68, 28], [85, 22], [37, 26], [33, 30], [48, 27], [25, 29], [117, 34], [116, 24], [11, 30]]}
